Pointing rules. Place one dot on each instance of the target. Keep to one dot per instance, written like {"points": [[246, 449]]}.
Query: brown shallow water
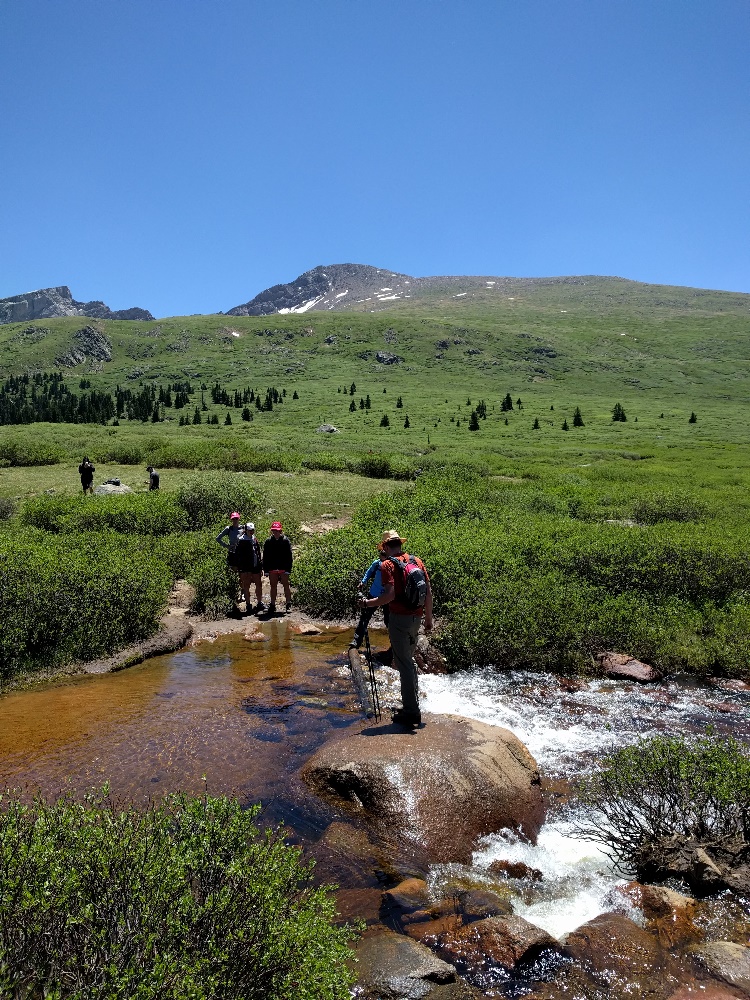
{"points": [[231, 716]]}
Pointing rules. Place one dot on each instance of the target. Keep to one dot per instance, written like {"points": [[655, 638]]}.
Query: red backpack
{"points": [[414, 580]]}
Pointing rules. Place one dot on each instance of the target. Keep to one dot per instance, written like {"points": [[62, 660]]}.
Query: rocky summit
{"points": [[46, 303]]}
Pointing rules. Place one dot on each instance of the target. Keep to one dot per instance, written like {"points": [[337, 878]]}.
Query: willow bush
{"points": [[187, 898], [665, 787], [547, 576]]}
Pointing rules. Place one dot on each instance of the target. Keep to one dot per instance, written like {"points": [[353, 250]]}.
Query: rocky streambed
{"points": [[436, 838]]}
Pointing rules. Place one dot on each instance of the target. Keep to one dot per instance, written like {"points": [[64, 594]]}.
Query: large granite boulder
{"points": [[393, 967], [440, 788], [727, 961]]}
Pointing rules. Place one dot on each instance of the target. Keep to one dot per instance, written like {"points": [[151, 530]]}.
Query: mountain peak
{"points": [[45, 303]]}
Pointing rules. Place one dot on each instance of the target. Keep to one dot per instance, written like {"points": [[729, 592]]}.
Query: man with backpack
{"points": [[407, 592]]}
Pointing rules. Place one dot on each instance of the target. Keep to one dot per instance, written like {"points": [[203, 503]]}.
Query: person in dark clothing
{"points": [[249, 563], [86, 471], [277, 564], [153, 478]]}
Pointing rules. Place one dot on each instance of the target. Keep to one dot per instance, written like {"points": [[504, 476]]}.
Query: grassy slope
{"points": [[655, 349]]}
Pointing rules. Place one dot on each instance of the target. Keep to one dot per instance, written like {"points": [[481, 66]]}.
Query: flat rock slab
{"points": [[393, 967], [620, 666], [440, 787], [109, 489]]}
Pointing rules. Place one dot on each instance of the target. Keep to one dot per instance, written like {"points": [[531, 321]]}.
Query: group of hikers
{"points": [[395, 581], [244, 554]]}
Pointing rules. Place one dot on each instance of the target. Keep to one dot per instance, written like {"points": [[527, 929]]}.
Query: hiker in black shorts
{"points": [[86, 471], [248, 561]]}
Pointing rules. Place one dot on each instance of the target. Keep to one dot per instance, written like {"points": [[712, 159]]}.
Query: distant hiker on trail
{"points": [[370, 585], [408, 595], [153, 478], [249, 563], [277, 564], [229, 536], [86, 471]]}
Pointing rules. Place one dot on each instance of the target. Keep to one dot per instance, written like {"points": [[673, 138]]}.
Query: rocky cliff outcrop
{"points": [[46, 303]]}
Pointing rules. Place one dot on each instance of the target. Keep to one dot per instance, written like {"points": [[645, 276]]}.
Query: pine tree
{"points": [[565, 425], [352, 389], [385, 422], [399, 403], [535, 425], [506, 421], [577, 418], [197, 416], [361, 403], [228, 420], [693, 419], [661, 416], [246, 414], [473, 421], [618, 413], [352, 407], [295, 394], [407, 424], [519, 404], [551, 407], [368, 404], [155, 417]]}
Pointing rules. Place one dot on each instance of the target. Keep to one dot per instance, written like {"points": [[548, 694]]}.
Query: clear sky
{"points": [[182, 155]]}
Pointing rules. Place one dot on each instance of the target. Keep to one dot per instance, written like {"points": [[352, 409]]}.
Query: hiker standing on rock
{"points": [[229, 536], [249, 563], [277, 564], [408, 596], [86, 471]]}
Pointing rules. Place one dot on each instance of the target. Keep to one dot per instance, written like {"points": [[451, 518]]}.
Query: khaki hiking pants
{"points": [[403, 631]]}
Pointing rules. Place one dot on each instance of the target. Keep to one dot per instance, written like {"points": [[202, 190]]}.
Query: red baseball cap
{"points": [[233, 515], [276, 526]]}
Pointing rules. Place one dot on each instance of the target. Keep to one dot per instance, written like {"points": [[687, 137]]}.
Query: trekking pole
{"points": [[373, 682]]}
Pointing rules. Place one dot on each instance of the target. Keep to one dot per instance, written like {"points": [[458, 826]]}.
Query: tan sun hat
{"points": [[390, 536]]}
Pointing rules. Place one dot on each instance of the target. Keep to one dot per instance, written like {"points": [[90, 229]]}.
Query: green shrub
{"points": [[33, 451], [666, 787], [74, 597], [120, 453], [183, 899], [153, 513], [209, 497], [217, 585], [669, 505], [7, 508]]}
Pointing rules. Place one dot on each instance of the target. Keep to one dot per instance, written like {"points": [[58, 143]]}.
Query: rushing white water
{"points": [[566, 725]]}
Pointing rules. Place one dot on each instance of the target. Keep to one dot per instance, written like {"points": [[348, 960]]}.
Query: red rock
{"points": [[496, 941], [428, 931], [616, 945], [515, 869], [669, 914], [620, 666]]}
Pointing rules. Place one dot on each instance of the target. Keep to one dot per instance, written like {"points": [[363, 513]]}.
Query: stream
{"points": [[241, 717]]}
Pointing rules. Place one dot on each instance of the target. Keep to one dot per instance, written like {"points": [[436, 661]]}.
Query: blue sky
{"points": [[182, 155]]}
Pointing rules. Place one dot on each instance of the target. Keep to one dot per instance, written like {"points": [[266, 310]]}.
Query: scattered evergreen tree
{"points": [[468, 401], [385, 422], [535, 425], [407, 424], [197, 416], [352, 389], [618, 413], [228, 419], [519, 404], [551, 407], [295, 394], [507, 404], [661, 416], [693, 419], [368, 404], [577, 418], [506, 421], [473, 421], [353, 406], [482, 409], [458, 423], [246, 414], [565, 425], [361, 403], [399, 403], [215, 419]]}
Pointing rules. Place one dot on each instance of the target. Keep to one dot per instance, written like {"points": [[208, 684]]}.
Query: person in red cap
{"points": [[277, 564]]}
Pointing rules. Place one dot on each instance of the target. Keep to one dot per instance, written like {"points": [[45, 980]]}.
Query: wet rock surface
{"points": [[393, 967], [726, 961], [495, 942], [438, 788]]}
